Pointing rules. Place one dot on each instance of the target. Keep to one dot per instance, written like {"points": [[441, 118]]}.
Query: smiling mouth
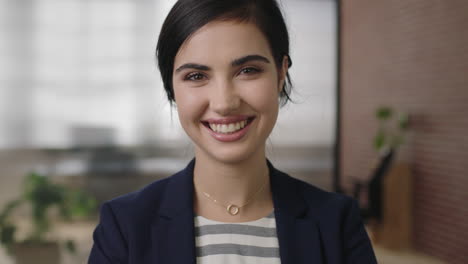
{"points": [[228, 128]]}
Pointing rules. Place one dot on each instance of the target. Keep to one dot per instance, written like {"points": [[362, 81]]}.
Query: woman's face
{"points": [[226, 87]]}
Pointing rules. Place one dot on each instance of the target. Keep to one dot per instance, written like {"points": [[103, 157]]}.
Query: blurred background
{"points": [[381, 95]]}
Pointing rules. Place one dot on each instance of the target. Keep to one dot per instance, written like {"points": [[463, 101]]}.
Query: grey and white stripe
{"points": [[229, 243], [236, 249], [239, 229]]}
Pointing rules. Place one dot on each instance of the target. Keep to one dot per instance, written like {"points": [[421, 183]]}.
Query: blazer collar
{"points": [[286, 196], [178, 197], [174, 231], [173, 234]]}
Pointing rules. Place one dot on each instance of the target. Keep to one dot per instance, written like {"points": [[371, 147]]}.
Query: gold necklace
{"points": [[233, 209]]}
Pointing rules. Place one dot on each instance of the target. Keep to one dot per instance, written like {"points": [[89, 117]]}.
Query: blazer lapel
{"points": [[298, 233], [173, 228]]}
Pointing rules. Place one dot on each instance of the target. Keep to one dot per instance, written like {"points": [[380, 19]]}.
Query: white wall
{"points": [[91, 64], [312, 26]]}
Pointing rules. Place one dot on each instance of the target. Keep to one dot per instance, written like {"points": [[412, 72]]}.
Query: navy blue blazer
{"points": [[156, 224]]}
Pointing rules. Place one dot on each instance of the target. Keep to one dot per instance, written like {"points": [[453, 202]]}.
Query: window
{"points": [[74, 68]]}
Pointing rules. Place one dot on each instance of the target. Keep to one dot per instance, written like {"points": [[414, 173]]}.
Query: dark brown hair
{"points": [[187, 16]]}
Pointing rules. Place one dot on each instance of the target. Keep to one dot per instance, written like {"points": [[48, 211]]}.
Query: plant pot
{"points": [[37, 253], [395, 230]]}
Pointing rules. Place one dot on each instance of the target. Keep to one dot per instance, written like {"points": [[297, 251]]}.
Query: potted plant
{"points": [[40, 196], [389, 135], [390, 191]]}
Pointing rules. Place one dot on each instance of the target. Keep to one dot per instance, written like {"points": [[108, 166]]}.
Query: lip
{"points": [[229, 137]]}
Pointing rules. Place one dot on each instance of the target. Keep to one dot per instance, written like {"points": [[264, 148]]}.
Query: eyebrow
{"points": [[193, 66], [236, 62], [249, 58]]}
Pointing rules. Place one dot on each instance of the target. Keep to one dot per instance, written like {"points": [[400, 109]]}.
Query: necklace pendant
{"points": [[232, 209]]}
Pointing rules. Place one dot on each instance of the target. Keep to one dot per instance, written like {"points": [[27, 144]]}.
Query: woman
{"points": [[224, 65]]}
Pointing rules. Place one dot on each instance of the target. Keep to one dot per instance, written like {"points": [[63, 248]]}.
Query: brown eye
{"points": [[250, 70], [196, 76]]}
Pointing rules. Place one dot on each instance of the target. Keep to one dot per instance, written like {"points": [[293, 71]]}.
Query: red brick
{"points": [[412, 55]]}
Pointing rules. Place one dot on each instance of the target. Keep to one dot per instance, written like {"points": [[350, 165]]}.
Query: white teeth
{"points": [[224, 128], [228, 128]]}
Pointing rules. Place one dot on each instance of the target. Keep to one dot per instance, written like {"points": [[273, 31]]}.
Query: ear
{"points": [[282, 73]]}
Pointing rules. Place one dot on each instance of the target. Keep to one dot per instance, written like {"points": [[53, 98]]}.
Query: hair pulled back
{"points": [[188, 16]]}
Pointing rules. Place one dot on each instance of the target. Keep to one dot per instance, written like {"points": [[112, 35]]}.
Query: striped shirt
{"points": [[253, 242]]}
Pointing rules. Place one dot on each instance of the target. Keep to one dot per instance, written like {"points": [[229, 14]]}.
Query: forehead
{"points": [[223, 41]]}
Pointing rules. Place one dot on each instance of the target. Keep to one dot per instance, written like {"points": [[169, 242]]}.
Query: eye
{"points": [[194, 76], [250, 70]]}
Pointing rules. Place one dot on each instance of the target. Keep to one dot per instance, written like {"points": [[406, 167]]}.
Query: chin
{"points": [[228, 154]]}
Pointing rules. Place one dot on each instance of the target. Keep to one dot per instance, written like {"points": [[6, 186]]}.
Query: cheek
{"points": [[189, 104], [263, 96]]}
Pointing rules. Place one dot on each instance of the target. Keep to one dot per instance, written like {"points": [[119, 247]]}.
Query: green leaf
{"points": [[384, 113], [7, 233], [8, 209], [70, 246], [379, 140], [403, 121], [42, 194]]}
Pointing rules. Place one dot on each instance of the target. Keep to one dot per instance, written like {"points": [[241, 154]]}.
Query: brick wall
{"points": [[412, 55]]}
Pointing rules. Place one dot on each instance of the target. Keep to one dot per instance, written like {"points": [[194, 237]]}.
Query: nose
{"points": [[224, 99]]}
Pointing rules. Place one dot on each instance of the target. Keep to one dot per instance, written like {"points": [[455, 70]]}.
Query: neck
{"points": [[232, 183]]}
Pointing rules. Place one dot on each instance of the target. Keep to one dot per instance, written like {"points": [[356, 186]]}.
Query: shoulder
{"points": [[336, 217], [167, 196], [126, 221], [323, 204], [130, 215], [321, 200], [339, 219], [144, 201]]}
